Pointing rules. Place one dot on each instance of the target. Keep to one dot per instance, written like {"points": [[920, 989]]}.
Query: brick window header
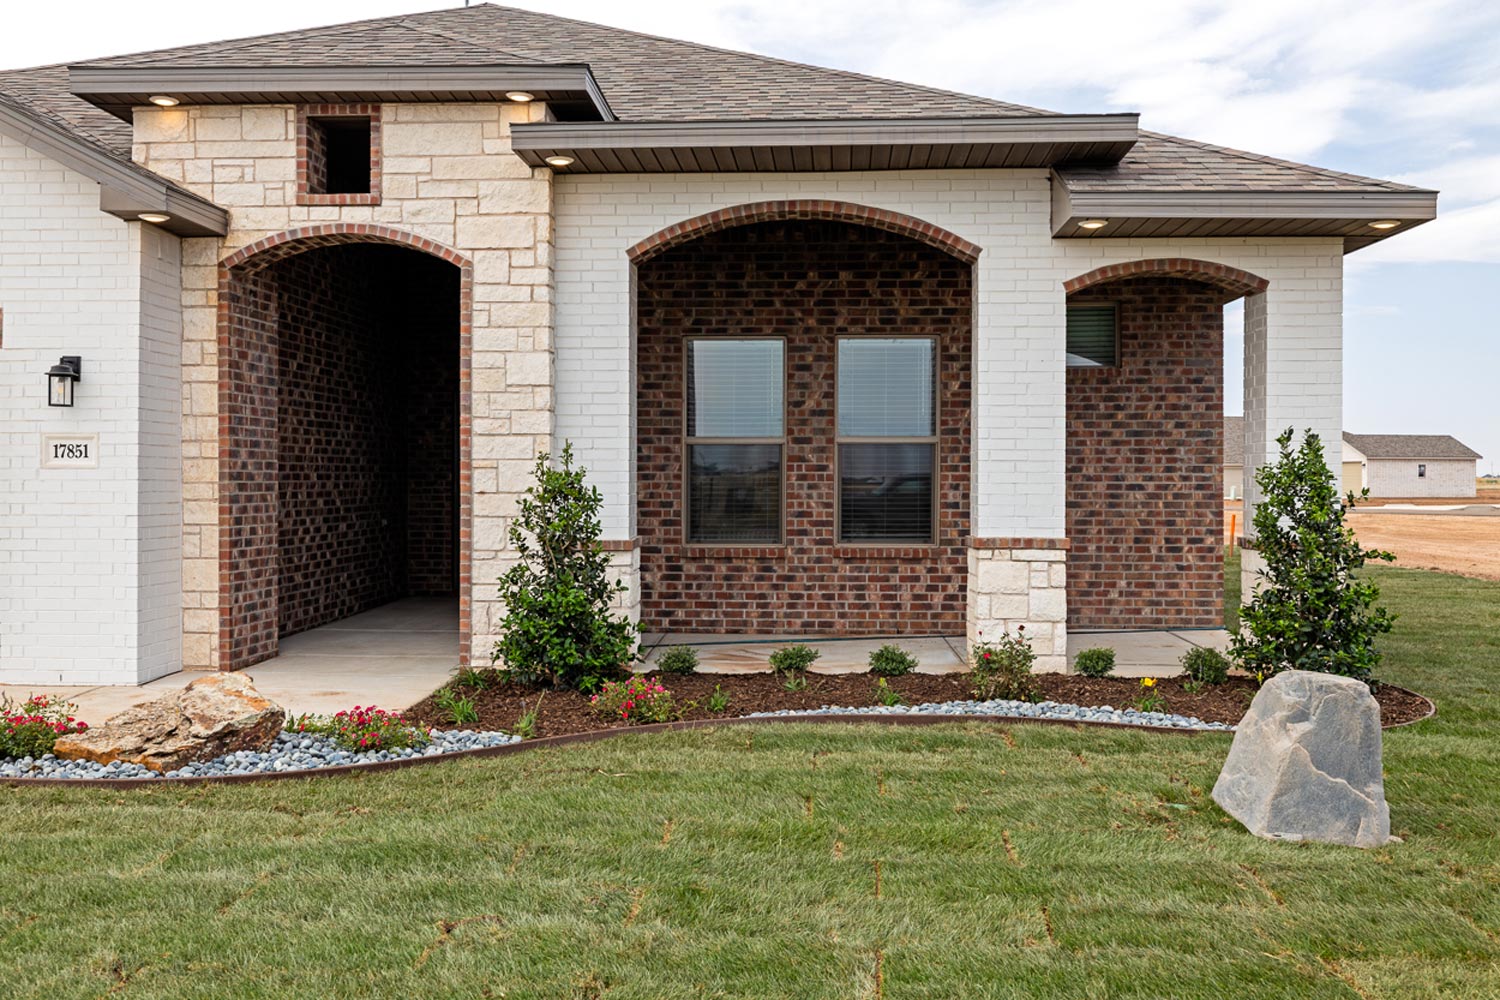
{"points": [[1222, 276], [313, 150], [804, 209]]}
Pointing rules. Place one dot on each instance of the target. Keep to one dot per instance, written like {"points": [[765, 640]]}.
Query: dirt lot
{"points": [[1453, 543], [1448, 542]]}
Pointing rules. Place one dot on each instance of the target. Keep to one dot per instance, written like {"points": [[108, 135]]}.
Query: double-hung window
{"points": [[887, 438], [736, 437]]}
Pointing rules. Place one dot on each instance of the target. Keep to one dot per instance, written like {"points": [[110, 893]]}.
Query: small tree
{"points": [[1310, 612], [558, 627]]}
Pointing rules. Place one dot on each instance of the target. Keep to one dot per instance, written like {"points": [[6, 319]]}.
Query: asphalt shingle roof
{"points": [[1434, 446], [649, 78]]}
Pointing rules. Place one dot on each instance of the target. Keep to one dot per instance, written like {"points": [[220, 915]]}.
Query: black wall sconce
{"points": [[61, 378]]}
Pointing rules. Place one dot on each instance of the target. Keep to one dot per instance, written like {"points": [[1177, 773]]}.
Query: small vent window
{"points": [[339, 153], [1093, 340], [1421, 471]]}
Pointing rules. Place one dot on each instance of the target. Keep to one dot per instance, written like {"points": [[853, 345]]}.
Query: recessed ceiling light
{"points": [[519, 96], [154, 217], [1384, 224], [1093, 223], [163, 101], [559, 161]]}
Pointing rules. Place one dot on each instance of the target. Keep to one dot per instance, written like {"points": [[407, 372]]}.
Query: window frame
{"points": [[689, 440], [1112, 304], [1421, 470], [935, 439], [306, 113]]}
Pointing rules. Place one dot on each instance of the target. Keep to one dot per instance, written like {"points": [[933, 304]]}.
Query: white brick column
{"points": [[1293, 376]]}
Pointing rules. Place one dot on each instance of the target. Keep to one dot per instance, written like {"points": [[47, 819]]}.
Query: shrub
{"points": [[365, 727], [1002, 669], [1311, 611], [558, 626], [1095, 662], [30, 728], [635, 700], [678, 660], [891, 661], [1205, 666], [793, 659]]}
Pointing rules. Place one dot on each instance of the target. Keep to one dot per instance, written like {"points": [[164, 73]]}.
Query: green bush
{"points": [[891, 661], [793, 659], [558, 627], [1002, 669], [1311, 610], [678, 660], [1095, 662], [1206, 666]]}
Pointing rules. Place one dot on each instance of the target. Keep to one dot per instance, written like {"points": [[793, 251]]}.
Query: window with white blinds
{"points": [[1093, 337], [736, 429], [887, 438]]}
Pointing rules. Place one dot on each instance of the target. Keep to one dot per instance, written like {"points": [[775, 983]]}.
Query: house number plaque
{"points": [[70, 451]]}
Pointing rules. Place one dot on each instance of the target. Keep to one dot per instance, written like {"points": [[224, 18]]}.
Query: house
{"points": [[845, 356], [1410, 465], [1234, 458]]}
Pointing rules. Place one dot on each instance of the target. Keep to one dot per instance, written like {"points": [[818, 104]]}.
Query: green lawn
{"points": [[798, 861]]}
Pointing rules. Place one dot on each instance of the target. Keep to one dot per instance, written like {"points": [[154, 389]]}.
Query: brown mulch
{"points": [[501, 703]]}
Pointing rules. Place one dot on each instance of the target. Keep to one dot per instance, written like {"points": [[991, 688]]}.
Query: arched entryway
{"points": [[342, 433], [803, 423], [1145, 442]]}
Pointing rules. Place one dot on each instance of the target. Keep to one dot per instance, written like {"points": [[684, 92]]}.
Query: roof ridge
{"points": [[775, 60], [437, 33], [1282, 162]]}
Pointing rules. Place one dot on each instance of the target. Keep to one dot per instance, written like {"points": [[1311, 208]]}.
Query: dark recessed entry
{"points": [[338, 155]]}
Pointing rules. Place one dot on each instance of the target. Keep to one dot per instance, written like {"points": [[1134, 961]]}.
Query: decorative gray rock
{"points": [[1305, 763]]}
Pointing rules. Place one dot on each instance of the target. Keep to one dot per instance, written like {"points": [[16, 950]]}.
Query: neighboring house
{"points": [[1410, 465], [1234, 458], [845, 356]]}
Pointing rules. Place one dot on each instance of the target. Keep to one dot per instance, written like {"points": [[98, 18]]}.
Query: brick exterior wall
{"points": [[807, 282], [1144, 453]]}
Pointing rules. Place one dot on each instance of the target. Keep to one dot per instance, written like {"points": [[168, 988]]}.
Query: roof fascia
{"points": [[125, 190]]}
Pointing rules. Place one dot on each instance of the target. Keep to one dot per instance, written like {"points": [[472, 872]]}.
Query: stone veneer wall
{"points": [[450, 185], [1145, 452], [809, 282]]}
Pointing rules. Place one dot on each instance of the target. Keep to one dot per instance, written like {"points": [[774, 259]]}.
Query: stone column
{"points": [[1017, 583]]}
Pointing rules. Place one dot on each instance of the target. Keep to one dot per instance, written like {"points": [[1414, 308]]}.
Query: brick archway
{"points": [[803, 209], [1222, 276], [245, 446]]}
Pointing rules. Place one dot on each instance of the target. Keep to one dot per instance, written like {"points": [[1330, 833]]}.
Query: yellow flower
{"points": [[1148, 682]]}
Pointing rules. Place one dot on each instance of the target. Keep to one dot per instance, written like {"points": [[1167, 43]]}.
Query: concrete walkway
{"points": [[392, 657]]}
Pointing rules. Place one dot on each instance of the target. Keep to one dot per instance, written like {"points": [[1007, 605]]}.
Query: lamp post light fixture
{"points": [[61, 378]]}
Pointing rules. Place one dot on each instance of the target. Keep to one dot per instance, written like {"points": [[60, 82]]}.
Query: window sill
{"points": [[733, 550], [358, 198]]}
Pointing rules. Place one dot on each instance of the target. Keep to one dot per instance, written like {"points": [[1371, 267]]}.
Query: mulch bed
{"points": [[501, 703]]}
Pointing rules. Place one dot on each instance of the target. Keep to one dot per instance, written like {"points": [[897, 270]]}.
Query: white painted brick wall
{"points": [[1398, 478], [1020, 316], [88, 588]]}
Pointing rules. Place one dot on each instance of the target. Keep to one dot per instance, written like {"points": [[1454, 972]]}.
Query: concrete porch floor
{"points": [[1137, 654], [392, 656]]}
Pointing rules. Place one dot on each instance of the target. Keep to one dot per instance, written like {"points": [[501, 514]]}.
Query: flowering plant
{"points": [[365, 727], [638, 699], [30, 729], [1150, 700], [1002, 668]]}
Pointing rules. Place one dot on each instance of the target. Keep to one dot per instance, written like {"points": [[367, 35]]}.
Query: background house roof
{"points": [[1432, 446], [1234, 440]]}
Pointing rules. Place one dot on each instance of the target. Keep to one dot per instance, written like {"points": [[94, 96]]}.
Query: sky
{"points": [[1407, 90]]}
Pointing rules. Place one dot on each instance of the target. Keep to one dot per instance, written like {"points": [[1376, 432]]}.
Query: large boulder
{"points": [[214, 715], [1305, 763]]}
